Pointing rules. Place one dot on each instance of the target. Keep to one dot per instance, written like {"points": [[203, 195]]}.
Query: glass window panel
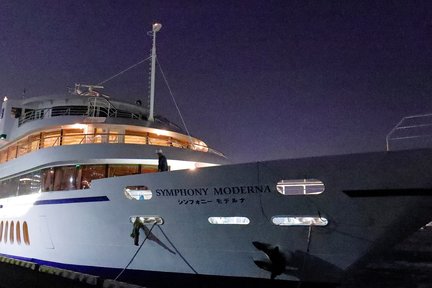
{"points": [[73, 136], [6, 232], [149, 169], [140, 193], [135, 137], [3, 156], [299, 221], [18, 233], [48, 180], [229, 220], [11, 232], [113, 137], [34, 142], [160, 140], [29, 183], [65, 178], [9, 188], [26, 233], [122, 170], [300, 187], [11, 152], [91, 172], [50, 139], [23, 147]]}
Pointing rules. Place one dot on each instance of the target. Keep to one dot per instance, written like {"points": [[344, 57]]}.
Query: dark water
{"points": [[408, 265]]}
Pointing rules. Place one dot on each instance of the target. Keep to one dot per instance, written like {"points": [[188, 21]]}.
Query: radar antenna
{"points": [[89, 90]]}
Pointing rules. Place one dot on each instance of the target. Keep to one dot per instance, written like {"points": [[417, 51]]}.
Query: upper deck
{"points": [[31, 124]]}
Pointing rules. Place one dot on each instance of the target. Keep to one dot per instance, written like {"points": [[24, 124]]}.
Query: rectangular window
{"points": [[3, 156], [159, 140], [23, 147], [73, 136], [91, 172], [65, 178], [148, 169], [122, 170], [229, 220], [11, 152], [299, 221], [113, 137], [48, 180], [29, 183], [50, 139], [134, 137], [300, 187], [34, 141]]}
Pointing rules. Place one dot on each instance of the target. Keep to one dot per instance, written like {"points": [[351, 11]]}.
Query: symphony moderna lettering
{"points": [[216, 191]]}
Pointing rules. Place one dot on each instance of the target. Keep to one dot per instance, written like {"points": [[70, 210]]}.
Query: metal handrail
{"points": [[402, 125], [61, 140]]}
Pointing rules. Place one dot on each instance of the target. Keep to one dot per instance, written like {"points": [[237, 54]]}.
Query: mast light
{"points": [[157, 27]]}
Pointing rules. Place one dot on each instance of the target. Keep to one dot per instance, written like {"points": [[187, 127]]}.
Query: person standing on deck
{"points": [[163, 164]]}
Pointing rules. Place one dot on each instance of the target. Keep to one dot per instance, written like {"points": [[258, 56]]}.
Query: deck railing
{"points": [[415, 127], [30, 144], [96, 107]]}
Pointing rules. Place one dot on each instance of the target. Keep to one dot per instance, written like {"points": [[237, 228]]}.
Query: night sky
{"points": [[256, 80]]}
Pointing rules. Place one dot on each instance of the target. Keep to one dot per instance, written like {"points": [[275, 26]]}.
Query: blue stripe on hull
{"points": [[72, 200]]}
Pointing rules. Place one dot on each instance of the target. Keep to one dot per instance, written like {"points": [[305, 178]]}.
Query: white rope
{"points": [[175, 103], [127, 69]]}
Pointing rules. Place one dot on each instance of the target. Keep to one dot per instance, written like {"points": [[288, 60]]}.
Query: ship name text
{"points": [[216, 191]]}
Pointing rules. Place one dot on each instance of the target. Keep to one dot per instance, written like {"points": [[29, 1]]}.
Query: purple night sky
{"points": [[256, 80]]}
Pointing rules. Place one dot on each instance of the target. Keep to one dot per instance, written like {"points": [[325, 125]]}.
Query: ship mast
{"points": [[155, 28]]}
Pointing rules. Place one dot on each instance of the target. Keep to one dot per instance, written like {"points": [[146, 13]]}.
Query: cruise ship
{"points": [[78, 170]]}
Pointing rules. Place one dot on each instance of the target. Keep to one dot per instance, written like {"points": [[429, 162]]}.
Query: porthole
{"points": [[300, 187], [18, 232], [6, 232], [299, 221], [138, 193], [26, 233], [12, 232], [1, 231], [229, 220]]}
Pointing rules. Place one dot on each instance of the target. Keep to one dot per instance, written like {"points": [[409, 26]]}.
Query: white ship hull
{"points": [[370, 201]]}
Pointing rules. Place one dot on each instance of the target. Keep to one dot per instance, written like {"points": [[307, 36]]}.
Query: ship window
{"points": [[26, 233], [6, 232], [11, 234], [91, 172], [300, 187], [229, 220], [48, 179], [50, 139], [72, 136], [34, 141], [299, 221], [138, 193], [23, 147], [147, 219], [3, 156], [1, 231], [18, 232], [65, 178], [135, 137], [122, 170], [113, 137], [148, 169], [29, 183], [11, 152]]}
